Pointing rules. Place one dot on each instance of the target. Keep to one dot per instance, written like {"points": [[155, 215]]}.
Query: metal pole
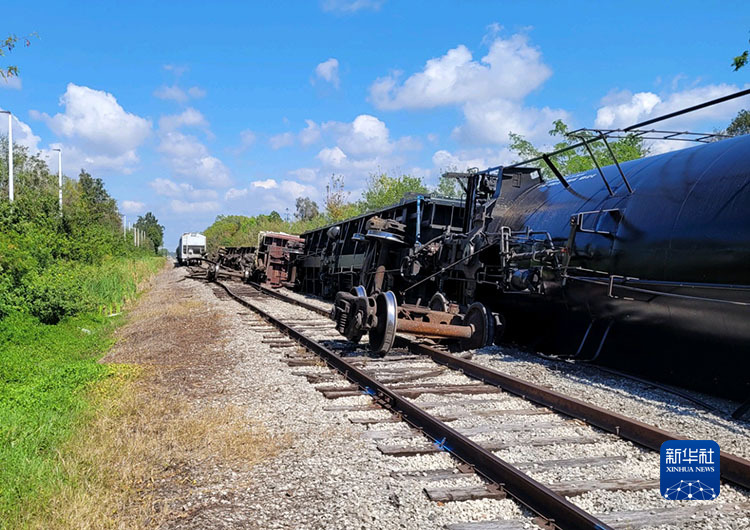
{"points": [[124, 226], [10, 154], [59, 175]]}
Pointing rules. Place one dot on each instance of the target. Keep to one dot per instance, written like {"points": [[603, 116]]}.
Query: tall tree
{"points": [[307, 209], [383, 190], [337, 202], [577, 160], [448, 187], [6, 46], [149, 224], [740, 124]]}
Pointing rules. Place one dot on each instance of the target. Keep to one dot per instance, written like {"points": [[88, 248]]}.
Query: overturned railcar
{"points": [[272, 262], [340, 256]]}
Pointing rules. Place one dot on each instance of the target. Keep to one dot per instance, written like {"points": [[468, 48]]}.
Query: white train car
{"points": [[191, 248]]}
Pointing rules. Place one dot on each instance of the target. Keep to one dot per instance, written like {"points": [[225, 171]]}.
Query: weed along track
{"points": [[563, 462]]}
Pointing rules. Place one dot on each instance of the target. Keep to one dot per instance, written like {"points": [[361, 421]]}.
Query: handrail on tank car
{"points": [[633, 129]]}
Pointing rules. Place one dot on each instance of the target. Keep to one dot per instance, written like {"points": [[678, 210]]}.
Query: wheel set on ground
{"points": [[380, 317]]}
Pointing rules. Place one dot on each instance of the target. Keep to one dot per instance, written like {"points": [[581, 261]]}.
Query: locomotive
{"points": [[642, 265], [191, 248]]}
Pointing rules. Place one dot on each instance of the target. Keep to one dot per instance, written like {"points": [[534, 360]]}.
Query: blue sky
{"points": [[192, 109]]}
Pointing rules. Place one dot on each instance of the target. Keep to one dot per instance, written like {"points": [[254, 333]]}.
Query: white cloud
{"points": [[490, 91], [462, 160], [350, 6], [366, 135], [190, 159], [196, 92], [176, 69], [281, 140], [183, 190], [310, 134], [178, 94], [294, 189], [510, 70], [491, 121], [247, 138], [265, 184], [190, 117], [305, 173], [11, 83], [97, 129], [132, 206], [622, 109], [355, 149], [332, 156], [178, 206], [234, 194], [328, 71]]}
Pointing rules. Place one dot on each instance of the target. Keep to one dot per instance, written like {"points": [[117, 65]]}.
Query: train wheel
{"points": [[483, 323], [439, 302], [383, 334]]}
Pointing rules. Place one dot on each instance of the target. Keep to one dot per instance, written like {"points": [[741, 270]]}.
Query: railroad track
{"points": [[473, 413]]}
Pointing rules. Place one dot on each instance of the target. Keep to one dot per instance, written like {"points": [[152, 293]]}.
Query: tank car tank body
{"points": [[644, 266], [656, 276]]}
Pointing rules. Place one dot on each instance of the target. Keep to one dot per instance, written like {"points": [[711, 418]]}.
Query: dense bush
{"points": [[52, 266]]}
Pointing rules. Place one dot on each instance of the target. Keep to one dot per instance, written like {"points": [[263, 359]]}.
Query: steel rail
{"points": [[555, 509], [289, 299], [733, 468]]}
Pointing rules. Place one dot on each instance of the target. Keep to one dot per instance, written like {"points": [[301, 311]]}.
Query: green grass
{"points": [[45, 371]]}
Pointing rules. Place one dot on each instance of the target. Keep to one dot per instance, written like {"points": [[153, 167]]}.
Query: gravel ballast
{"points": [[330, 473]]}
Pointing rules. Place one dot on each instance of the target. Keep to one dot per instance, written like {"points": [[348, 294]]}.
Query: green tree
{"points": [[6, 46], [382, 190], [741, 60], [307, 209], [740, 124], [337, 202], [149, 224], [576, 160], [448, 187]]}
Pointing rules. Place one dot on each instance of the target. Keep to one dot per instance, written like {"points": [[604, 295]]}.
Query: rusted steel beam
{"points": [[430, 329]]}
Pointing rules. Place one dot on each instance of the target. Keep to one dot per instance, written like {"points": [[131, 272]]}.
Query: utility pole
{"points": [[124, 226], [59, 175], [10, 153]]}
